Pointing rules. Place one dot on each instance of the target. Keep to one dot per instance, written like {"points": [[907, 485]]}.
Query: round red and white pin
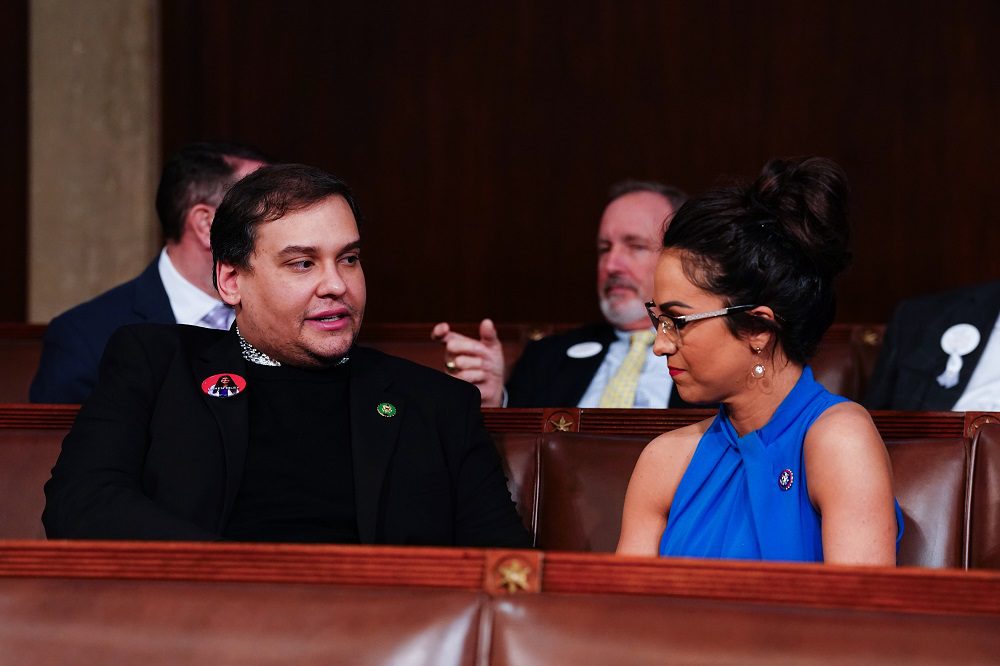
{"points": [[223, 385]]}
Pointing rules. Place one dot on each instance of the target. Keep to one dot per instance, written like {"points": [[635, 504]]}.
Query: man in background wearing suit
{"points": [[941, 352], [320, 441], [608, 364], [175, 288]]}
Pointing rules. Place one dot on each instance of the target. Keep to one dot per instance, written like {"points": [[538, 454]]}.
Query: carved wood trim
{"points": [[911, 590], [935, 591], [650, 422]]}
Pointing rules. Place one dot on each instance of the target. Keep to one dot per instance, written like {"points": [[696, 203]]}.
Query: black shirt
{"points": [[298, 483]]}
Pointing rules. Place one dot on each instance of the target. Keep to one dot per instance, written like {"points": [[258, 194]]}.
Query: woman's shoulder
{"points": [[688, 436], [844, 440], [843, 419], [668, 455]]}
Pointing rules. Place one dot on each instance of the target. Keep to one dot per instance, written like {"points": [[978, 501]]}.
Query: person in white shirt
{"points": [[606, 364], [175, 288], [941, 352]]}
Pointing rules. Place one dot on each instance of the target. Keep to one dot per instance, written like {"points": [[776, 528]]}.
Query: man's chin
{"points": [[621, 312], [330, 348]]}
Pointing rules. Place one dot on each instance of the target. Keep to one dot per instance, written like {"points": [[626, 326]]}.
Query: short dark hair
{"points": [[674, 195], [778, 241], [266, 195], [197, 173]]}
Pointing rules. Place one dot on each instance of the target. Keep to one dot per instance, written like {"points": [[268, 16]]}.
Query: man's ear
{"points": [[763, 339], [227, 282], [198, 221]]}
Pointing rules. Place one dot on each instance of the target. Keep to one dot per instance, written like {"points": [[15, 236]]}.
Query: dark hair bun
{"points": [[807, 197], [779, 242]]}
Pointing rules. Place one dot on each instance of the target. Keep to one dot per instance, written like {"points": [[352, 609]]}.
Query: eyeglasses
{"points": [[671, 326]]}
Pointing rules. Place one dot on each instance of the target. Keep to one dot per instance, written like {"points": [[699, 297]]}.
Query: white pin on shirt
{"points": [[956, 342], [584, 350]]}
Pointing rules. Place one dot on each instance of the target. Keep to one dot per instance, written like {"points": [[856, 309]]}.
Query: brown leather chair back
{"points": [[26, 460], [519, 452], [930, 482], [583, 478], [581, 490], [20, 349], [611, 629], [155, 622], [835, 364], [984, 505]]}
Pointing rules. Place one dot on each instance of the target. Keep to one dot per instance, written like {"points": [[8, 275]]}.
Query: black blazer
{"points": [[75, 340], [545, 376], [905, 376], [152, 457]]}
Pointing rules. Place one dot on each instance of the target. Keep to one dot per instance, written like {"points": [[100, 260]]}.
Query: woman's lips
{"points": [[674, 371]]}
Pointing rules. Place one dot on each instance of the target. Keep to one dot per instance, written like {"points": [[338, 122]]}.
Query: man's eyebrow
{"points": [[293, 250], [309, 250], [631, 238]]}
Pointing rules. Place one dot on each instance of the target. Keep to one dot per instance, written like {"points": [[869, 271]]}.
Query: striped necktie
{"points": [[219, 317], [620, 391]]}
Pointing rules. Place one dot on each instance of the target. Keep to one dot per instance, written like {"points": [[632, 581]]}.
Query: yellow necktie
{"points": [[620, 391]]}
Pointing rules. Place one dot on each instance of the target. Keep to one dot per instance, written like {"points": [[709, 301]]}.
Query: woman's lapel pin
{"points": [[223, 385]]}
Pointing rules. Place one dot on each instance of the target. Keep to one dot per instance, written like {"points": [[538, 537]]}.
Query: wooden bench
{"points": [[167, 603]]}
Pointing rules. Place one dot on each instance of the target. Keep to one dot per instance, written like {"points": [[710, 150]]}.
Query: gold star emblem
{"points": [[562, 425], [514, 575]]}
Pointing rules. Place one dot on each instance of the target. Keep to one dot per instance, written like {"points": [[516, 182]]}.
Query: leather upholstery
{"points": [[930, 480], [607, 629], [984, 510], [171, 622], [26, 460], [581, 492], [570, 488]]}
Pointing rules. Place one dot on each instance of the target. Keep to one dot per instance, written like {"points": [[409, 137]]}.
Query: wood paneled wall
{"points": [[481, 137], [14, 170]]}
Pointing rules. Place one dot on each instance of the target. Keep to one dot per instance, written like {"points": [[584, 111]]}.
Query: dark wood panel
{"points": [[944, 592], [14, 169], [481, 138]]}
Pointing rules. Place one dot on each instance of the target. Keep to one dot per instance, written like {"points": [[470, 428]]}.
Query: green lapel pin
{"points": [[386, 409]]}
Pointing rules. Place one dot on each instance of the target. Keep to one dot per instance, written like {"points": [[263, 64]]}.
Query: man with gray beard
{"points": [[610, 364]]}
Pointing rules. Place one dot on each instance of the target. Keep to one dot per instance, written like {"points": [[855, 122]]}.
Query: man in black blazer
{"points": [[192, 184], [573, 368], [912, 368], [279, 429]]}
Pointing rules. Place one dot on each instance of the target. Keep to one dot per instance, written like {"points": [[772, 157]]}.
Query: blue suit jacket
{"points": [[74, 341]]}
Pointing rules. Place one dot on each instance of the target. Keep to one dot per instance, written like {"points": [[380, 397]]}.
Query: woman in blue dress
{"points": [[743, 292]]}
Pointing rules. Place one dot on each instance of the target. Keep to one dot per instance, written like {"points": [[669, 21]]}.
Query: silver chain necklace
{"points": [[254, 355]]}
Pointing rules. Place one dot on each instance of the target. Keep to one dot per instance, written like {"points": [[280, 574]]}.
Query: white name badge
{"points": [[956, 342], [584, 350]]}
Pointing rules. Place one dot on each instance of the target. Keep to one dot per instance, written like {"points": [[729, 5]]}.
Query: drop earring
{"points": [[757, 370]]}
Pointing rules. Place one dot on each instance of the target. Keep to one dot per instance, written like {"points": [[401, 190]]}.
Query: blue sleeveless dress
{"points": [[747, 497]]}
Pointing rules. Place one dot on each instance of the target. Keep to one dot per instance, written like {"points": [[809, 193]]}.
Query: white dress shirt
{"points": [[188, 302], [654, 382], [983, 392]]}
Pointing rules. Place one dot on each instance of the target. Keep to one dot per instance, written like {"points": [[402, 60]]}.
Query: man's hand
{"points": [[478, 362]]}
